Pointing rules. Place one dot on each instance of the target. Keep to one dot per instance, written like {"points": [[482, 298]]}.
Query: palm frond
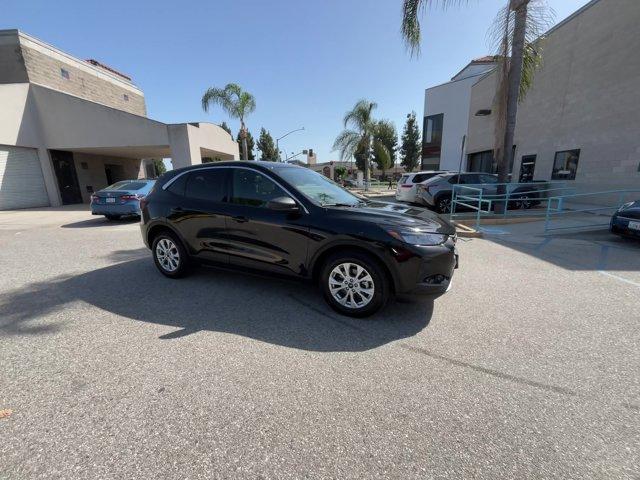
{"points": [[213, 96], [360, 116], [346, 143], [411, 12]]}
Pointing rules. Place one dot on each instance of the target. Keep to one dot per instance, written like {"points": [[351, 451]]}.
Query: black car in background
{"points": [[285, 219], [626, 221]]}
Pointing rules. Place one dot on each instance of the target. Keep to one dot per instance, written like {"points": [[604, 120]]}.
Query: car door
{"points": [[259, 237], [199, 212]]}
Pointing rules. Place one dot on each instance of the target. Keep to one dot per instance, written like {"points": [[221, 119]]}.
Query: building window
{"points": [[65, 74], [565, 165], [481, 162], [432, 138], [126, 97]]}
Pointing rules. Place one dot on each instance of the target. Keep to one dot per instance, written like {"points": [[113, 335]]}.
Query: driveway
{"points": [[528, 368]]}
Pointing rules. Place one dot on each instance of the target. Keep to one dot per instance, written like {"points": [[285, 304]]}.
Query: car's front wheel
{"points": [[169, 255], [354, 284]]}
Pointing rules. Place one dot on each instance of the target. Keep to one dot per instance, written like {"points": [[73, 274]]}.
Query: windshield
{"points": [[128, 185], [317, 188]]}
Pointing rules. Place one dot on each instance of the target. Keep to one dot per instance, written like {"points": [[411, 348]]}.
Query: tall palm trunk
{"points": [[505, 153], [243, 136], [367, 165]]}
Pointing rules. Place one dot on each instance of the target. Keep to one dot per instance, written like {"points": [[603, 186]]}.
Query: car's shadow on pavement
{"points": [[100, 221], [281, 312]]}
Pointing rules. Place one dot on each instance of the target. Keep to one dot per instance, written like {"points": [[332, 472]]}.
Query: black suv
{"points": [[285, 219]]}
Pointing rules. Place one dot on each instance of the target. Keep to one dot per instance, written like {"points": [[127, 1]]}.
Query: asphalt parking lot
{"points": [[528, 368]]}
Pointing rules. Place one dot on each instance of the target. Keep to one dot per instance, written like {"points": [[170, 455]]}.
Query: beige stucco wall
{"points": [[586, 96], [94, 174]]}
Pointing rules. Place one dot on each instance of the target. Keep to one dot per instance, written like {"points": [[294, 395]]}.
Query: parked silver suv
{"points": [[436, 192]]}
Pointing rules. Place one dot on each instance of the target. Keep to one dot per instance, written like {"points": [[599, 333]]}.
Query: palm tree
{"points": [[360, 132], [515, 32], [236, 102]]}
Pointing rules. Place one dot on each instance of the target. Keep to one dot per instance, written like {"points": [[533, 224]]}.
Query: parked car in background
{"points": [[406, 189], [437, 192], [349, 182], [120, 199], [289, 220], [626, 221]]}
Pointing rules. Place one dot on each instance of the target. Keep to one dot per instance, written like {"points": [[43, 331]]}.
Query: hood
{"points": [[632, 211], [400, 215]]}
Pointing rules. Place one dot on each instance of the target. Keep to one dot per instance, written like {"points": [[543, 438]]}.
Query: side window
{"points": [[485, 178], [207, 185], [469, 179], [253, 189], [177, 187], [454, 180]]}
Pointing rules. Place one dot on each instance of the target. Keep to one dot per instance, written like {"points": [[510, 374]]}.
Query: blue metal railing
{"points": [[556, 206], [475, 197]]}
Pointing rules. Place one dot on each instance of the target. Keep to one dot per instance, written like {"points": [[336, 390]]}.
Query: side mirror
{"points": [[283, 204]]}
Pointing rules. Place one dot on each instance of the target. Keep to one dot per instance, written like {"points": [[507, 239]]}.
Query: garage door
{"points": [[21, 180]]}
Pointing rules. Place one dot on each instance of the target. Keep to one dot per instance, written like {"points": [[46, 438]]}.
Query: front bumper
{"points": [[425, 270], [620, 226]]}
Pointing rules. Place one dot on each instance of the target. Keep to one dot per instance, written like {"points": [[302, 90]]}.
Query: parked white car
{"points": [[406, 190]]}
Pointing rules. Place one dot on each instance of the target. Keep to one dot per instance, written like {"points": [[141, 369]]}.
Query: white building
{"points": [[446, 116], [69, 127], [580, 120]]}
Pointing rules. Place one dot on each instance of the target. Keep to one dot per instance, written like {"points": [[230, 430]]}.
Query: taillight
{"points": [[131, 197], [406, 186], [143, 202]]}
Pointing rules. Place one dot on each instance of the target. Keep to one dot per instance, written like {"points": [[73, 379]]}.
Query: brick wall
{"points": [[46, 70]]}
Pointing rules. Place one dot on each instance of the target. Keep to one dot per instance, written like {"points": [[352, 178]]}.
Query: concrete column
{"points": [[184, 150], [50, 179]]}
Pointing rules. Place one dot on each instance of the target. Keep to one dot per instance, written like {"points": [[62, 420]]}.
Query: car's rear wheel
{"points": [[354, 284], [169, 255], [524, 202], [443, 204]]}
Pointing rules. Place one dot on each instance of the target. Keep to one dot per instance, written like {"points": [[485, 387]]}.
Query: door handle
{"points": [[240, 219]]}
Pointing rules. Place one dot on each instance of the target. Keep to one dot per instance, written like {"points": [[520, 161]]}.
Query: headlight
{"points": [[417, 237], [626, 205]]}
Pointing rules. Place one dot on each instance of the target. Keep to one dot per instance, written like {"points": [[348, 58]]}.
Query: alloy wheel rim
{"points": [[445, 205], [351, 285], [525, 203], [168, 255]]}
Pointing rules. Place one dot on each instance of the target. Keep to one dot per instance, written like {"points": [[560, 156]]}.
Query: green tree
{"points": [[387, 136], [226, 128], [515, 32], [359, 133], [267, 146], [411, 147], [340, 171], [237, 103], [159, 166], [250, 145]]}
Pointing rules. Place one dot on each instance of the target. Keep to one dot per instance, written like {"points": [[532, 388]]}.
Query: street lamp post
{"points": [[286, 134]]}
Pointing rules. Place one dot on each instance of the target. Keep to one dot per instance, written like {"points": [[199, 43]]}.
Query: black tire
{"points": [[169, 255], [375, 275], [112, 218], [443, 204]]}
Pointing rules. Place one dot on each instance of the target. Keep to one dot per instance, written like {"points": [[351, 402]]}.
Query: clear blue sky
{"points": [[306, 62]]}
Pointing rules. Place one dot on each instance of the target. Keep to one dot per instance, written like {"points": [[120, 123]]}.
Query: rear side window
{"points": [[254, 189], [178, 186], [209, 185], [421, 177], [404, 179]]}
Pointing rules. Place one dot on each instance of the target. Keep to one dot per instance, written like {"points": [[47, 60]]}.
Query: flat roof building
{"points": [[70, 127]]}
